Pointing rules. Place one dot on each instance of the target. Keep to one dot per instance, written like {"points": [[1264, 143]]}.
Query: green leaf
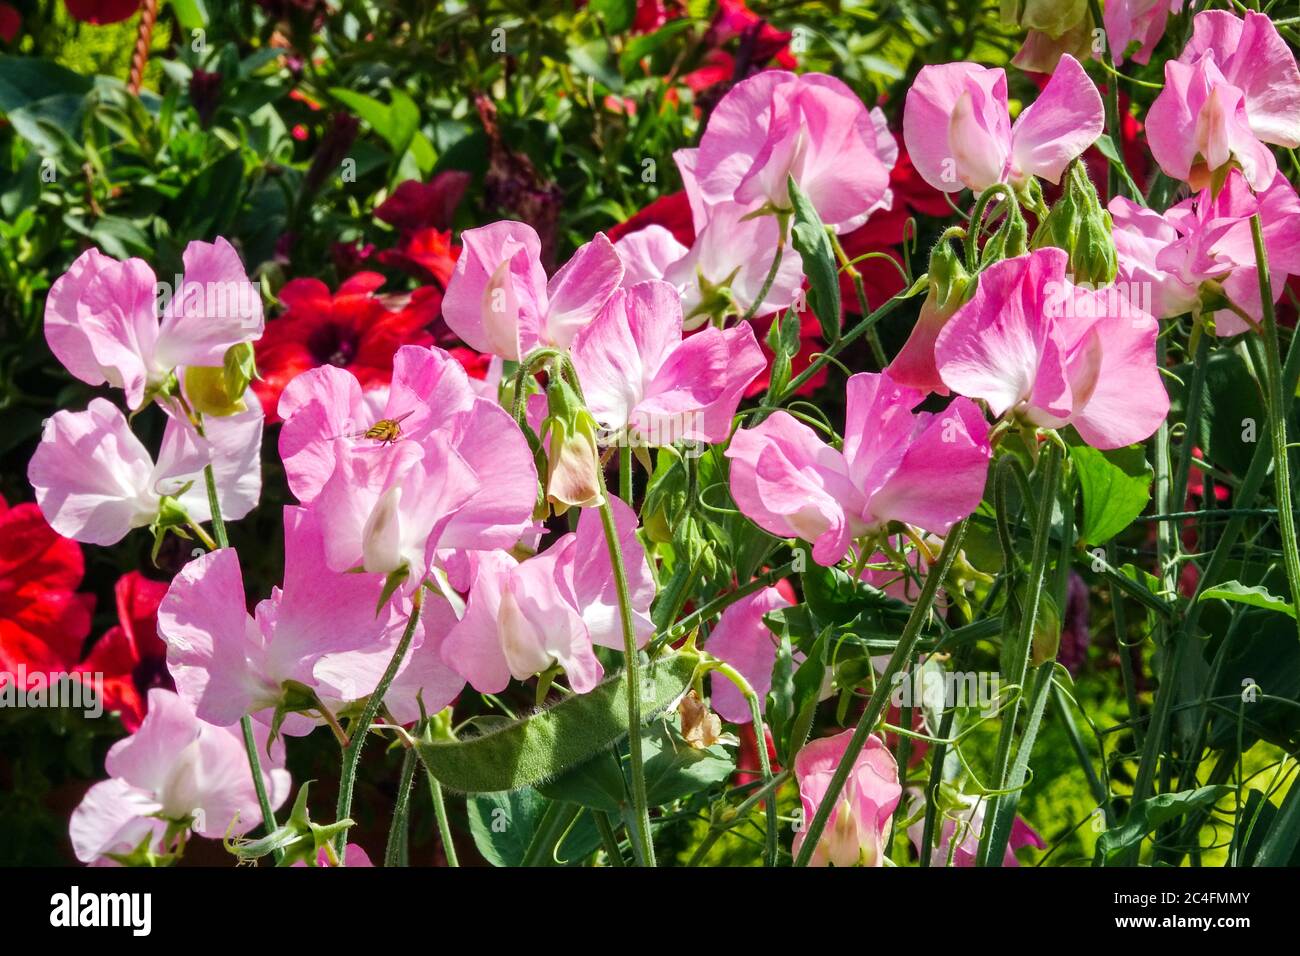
{"points": [[1116, 488], [1256, 596], [1233, 417], [540, 747], [836, 598], [1279, 847], [618, 14], [814, 247], [783, 340], [395, 123], [674, 769], [503, 824], [1151, 813]]}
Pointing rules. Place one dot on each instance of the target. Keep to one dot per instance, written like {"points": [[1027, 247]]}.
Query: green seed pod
{"points": [[1078, 224], [528, 752]]}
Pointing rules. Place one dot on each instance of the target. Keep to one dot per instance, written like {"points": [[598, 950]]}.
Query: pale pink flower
{"points": [[960, 832], [101, 317], [1140, 20], [743, 640], [499, 299], [1032, 342], [640, 376], [95, 481], [459, 474], [179, 769], [959, 135], [924, 469], [524, 617], [1235, 88], [228, 663], [776, 125], [647, 253], [859, 824]]}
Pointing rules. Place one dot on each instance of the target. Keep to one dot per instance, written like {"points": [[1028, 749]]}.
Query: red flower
{"points": [[427, 254], [672, 211], [11, 21], [353, 329], [43, 621], [131, 656], [415, 205], [100, 12]]}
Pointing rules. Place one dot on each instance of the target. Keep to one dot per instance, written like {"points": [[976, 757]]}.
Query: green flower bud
{"points": [[1078, 224], [573, 460]]}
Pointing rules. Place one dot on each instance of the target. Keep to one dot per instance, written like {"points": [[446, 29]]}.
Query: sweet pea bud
{"points": [[949, 281], [1053, 17], [220, 391], [1078, 224], [1047, 632], [573, 461]]}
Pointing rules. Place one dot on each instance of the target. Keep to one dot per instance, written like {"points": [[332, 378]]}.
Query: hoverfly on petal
{"points": [[385, 431]]}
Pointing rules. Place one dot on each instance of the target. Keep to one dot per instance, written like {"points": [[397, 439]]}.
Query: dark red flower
{"points": [[415, 205], [11, 21], [43, 620], [349, 257], [100, 12], [672, 211], [131, 656], [352, 328], [735, 19], [205, 94], [427, 254]]}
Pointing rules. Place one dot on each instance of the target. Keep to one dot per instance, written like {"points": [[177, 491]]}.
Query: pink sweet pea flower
{"points": [[638, 375], [924, 469], [856, 829], [1234, 88], [958, 133], [523, 618], [1141, 20], [959, 837], [1222, 244], [744, 641], [775, 125], [175, 768], [459, 474], [228, 663], [1056, 353], [499, 300], [647, 253], [354, 856], [1141, 234], [101, 318], [95, 481]]}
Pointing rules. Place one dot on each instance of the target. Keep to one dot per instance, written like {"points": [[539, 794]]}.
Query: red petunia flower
{"points": [[131, 656], [415, 205], [427, 254], [352, 328], [43, 620]]}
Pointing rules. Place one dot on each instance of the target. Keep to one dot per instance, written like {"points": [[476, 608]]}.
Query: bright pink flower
{"points": [[744, 641], [858, 825], [775, 125], [354, 856], [228, 663], [459, 476], [101, 318], [638, 374], [1234, 88], [958, 133], [43, 620], [95, 481], [1056, 353], [924, 469], [131, 657], [965, 826], [1214, 242], [176, 768], [1140, 20], [523, 618], [499, 299]]}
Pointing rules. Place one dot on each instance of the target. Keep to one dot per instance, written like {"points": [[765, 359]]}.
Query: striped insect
{"points": [[385, 431]]}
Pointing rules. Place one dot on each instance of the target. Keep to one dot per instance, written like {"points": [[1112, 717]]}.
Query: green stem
{"points": [[639, 830], [834, 349], [901, 658], [873, 338], [399, 831], [1019, 657], [765, 764], [352, 753], [608, 838], [625, 473], [440, 812], [1277, 416], [770, 279]]}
